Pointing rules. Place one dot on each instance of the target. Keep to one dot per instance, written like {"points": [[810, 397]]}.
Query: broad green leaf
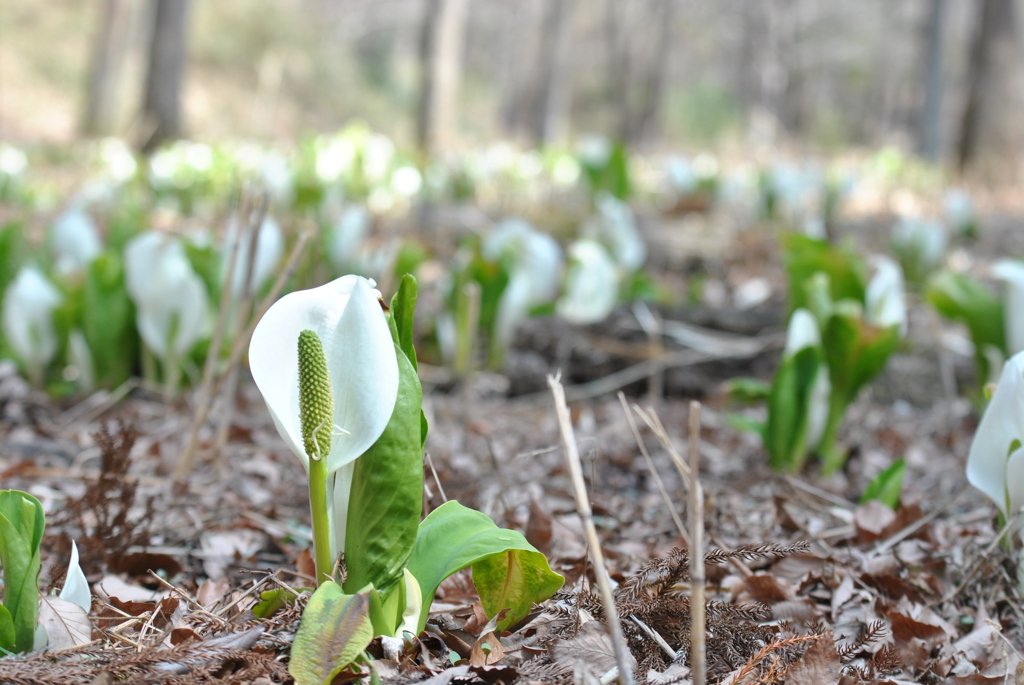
{"points": [[6, 629], [803, 257], [509, 573], [21, 530], [785, 432], [960, 297], [386, 499], [403, 307], [747, 390], [334, 629], [887, 485], [855, 351], [108, 320]]}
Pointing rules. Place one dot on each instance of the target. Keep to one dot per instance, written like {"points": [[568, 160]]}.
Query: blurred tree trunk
{"points": [[167, 56], [991, 117], [108, 59], [618, 63], [441, 42], [657, 77], [930, 122], [553, 92]]}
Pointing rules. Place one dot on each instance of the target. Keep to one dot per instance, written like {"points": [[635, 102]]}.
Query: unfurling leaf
{"points": [[335, 628], [886, 486]]}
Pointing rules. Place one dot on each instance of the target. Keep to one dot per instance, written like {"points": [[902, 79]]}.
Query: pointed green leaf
{"points": [[509, 573], [855, 351], [335, 628], [108, 320], [960, 297], [21, 530], [386, 499], [887, 486], [847, 272], [6, 629], [785, 432], [403, 308]]}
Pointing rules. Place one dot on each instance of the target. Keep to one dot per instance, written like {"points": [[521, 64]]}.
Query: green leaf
{"points": [[108, 320], [744, 424], [785, 432], [386, 499], [855, 351], [21, 530], [887, 486], [403, 307], [272, 601], [335, 628], [509, 573], [747, 390], [961, 298], [803, 257], [6, 629]]}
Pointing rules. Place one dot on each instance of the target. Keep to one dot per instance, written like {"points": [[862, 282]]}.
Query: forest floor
{"points": [[921, 594]]}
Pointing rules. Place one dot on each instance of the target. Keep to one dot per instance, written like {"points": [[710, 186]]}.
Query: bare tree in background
{"points": [[441, 44], [930, 125], [553, 92], [657, 76], [166, 69], [108, 61], [991, 117]]}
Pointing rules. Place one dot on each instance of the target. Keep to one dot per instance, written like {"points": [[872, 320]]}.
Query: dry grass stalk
{"points": [[654, 472], [698, 637], [205, 395], [572, 456], [187, 459]]}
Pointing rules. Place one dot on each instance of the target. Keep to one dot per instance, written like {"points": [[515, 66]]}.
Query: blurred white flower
{"points": [[170, 298], [13, 161], [278, 178], [566, 170], [919, 243], [377, 153], [345, 236], [118, 158], [27, 319], [1011, 272], [80, 362], [269, 250], [995, 464], [959, 209], [802, 333], [534, 260], [614, 226], [681, 176], [594, 149], [406, 181], [74, 241], [334, 157], [591, 288], [885, 301]]}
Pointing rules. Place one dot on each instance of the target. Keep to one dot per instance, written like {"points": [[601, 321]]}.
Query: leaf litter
{"points": [[805, 585]]}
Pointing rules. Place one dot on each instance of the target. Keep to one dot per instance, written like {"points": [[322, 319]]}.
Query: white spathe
{"points": [[74, 241], [991, 465], [27, 318], [346, 235], [269, 250], [591, 288], [614, 225], [802, 333], [1011, 272], [535, 264], [885, 302], [923, 241], [76, 587], [347, 317], [170, 298]]}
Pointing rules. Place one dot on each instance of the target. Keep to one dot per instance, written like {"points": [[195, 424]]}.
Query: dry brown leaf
{"points": [[592, 646], [871, 518], [211, 592], [66, 624], [487, 650], [818, 666]]}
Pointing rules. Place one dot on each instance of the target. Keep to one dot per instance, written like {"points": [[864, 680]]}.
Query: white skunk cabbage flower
{"points": [[27, 319], [995, 464], [920, 240], [959, 209], [681, 176], [347, 317], [269, 250], [615, 227], [591, 288], [170, 298], [1011, 272], [76, 587], [802, 333], [278, 178], [74, 241], [81, 369], [885, 302], [346, 236], [535, 266]]}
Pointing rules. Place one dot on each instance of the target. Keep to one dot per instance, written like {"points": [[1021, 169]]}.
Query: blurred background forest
{"points": [[940, 78]]}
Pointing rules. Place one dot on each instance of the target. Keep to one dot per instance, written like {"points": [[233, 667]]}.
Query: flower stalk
{"points": [[316, 413]]}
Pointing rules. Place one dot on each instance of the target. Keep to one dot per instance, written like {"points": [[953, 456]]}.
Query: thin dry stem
{"points": [[698, 637], [572, 457], [654, 472]]}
